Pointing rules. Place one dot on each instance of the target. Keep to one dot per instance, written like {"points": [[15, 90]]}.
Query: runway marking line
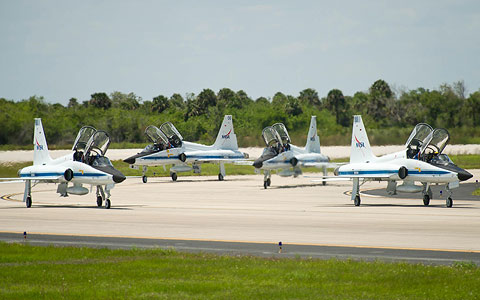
{"points": [[245, 242]]}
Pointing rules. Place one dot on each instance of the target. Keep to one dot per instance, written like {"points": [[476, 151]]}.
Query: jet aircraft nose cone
{"points": [[257, 164], [119, 177], [130, 160], [464, 175]]}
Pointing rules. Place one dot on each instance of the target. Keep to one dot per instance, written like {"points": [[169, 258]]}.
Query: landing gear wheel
{"points": [[28, 202], [107, 204], [144, 179], [99, 201], [265, 184], [449, 202], [174, 176], [324, 182], [357, 200], [220, 177], [269, 182], [426, 200]]}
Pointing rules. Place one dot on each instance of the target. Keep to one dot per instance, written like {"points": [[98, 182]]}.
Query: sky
{"points": [[64, 49]]}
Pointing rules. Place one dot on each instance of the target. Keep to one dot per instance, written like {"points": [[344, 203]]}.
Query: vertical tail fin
{"points": [[313, 141], [226, 138], [361, 150], [40, 148]]}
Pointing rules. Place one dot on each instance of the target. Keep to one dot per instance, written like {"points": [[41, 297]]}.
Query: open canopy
{"points": [[271, 137], [415, 141], [98, 144], [156, 136], [282, 132], [435, 142], [83, 136], [418, 135], [172, 134]]}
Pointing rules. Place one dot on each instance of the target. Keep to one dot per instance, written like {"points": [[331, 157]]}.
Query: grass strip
{"points": [[28, 272]]}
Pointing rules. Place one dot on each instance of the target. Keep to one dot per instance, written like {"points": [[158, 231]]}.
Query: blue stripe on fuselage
{"points": [[393, 172]]}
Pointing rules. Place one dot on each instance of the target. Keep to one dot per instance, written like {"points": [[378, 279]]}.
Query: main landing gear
{"points": [[144, 175], [221, 172], [426, 200], [27, 195], [174, 176], [357, 200]]}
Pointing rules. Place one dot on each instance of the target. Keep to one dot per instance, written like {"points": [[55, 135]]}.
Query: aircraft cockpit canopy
{"points": [[282, 132], [416, 138], [434, 143], [83, 136], [156, 136], [97, 144], [172, 134], [271, 137]]}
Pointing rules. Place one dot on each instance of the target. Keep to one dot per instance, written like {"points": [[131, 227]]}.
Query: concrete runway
{"points": [[239, 216]]}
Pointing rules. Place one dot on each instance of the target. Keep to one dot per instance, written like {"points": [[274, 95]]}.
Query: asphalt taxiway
{"points": [[239, 216]]}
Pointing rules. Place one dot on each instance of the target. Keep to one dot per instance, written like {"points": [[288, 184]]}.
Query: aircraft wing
{"points": [[321, 165], [39, 178]]}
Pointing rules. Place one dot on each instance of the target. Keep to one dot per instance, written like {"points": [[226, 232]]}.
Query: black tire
{"points": [[182, 157], [324, 182], [426, 200], [28, 202], [107, 204], [174, 176], [402, 172], [144, 179], [220, 177], [357, 200], [449, 202], [269, 182], [265, 184], [99, 201]]}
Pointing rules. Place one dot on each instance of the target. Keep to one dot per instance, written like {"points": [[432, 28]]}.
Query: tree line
{"points": [[389, 116]]}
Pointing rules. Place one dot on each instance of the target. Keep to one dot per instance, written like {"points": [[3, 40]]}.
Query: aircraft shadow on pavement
{"points": [[168, 180], [123, 207], [293, 186], [463, 193]]}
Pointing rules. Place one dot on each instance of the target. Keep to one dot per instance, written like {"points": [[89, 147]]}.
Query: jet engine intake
{"points": [[182, 157], [68, 175], [402, 172], [294, 161]]}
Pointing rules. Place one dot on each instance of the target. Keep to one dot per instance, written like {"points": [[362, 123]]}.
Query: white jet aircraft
{"points": [[87, 165], [422, 162], [280, 154], [169, 148]]}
